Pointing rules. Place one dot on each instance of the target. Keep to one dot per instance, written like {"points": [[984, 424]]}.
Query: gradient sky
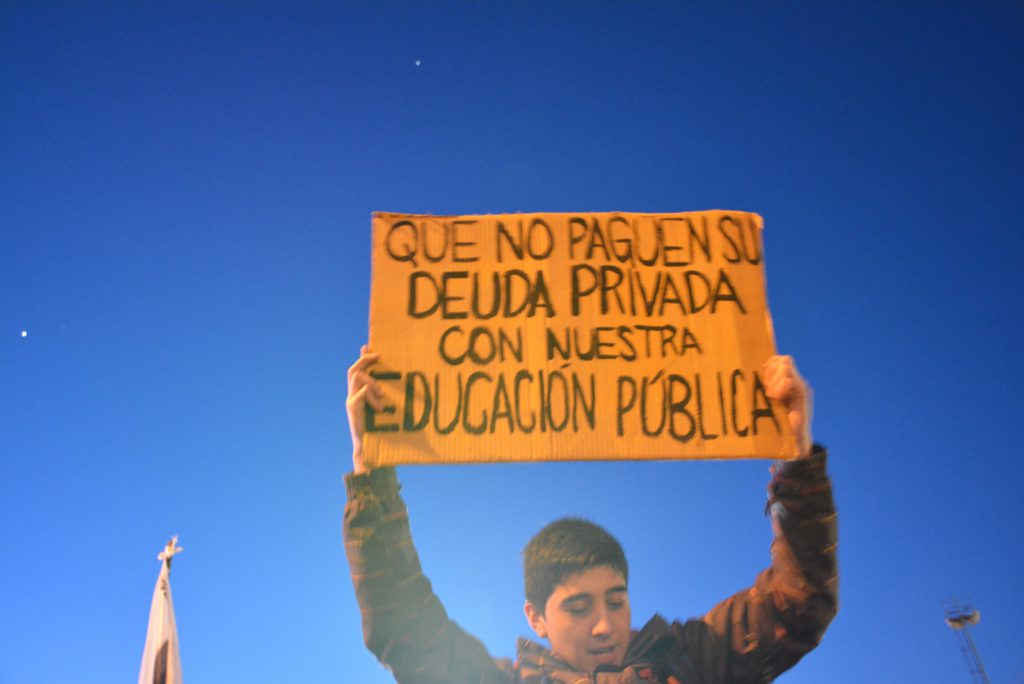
{"points": [[185, 199]]}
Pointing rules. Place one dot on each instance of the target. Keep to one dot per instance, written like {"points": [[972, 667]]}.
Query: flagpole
{"points": [[161, 661]]}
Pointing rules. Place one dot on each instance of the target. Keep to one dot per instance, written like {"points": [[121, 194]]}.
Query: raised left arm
{"points": [[765, 629]]}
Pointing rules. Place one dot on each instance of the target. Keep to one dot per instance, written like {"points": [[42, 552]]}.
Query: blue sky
{"points": [[185, 199]]}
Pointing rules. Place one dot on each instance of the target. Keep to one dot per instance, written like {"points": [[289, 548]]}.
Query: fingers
{"points": [[362, 387], [368, 390], [777, 364], [781, 379], [363, 390], [366, 359], [784, 384]]}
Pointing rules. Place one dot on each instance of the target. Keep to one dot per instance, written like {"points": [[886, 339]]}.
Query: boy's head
{"points": [[575, 575]]}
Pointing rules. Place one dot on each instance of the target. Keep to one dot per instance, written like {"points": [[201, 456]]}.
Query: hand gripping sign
{"points": [[571, 336]]}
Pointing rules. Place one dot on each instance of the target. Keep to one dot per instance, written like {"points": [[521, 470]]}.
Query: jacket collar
{"points": [[644, 658]]}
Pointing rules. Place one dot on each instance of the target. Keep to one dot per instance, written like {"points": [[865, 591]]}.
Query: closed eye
{"points": [[616, 599], [578, 606]]}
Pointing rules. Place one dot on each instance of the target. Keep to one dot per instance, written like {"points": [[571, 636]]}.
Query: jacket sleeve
{"points": [[404, 623], [764, 630]]}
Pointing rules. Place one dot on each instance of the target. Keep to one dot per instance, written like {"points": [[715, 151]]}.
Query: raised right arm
{"points": [[404, 623]]}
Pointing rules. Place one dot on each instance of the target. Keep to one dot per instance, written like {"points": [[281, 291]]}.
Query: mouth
{"points": [[603, 655]]}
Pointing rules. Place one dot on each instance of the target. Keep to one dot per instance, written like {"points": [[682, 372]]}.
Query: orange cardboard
{"points": [[571, 336]]}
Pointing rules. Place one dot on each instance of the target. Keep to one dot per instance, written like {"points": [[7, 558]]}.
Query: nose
{"points": [[603, 627]]}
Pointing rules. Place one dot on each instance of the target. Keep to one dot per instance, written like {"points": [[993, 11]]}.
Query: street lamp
{"points": [[960, 617]]}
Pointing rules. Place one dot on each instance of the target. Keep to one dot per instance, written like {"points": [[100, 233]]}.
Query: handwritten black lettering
{"points": [[648, 293], [511, 293], [492, 403], [434, 241], [480, 346], [675, 403]]}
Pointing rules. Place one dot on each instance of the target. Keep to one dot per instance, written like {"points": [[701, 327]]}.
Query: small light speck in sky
{"points": [[417, 62], [24, 333]]}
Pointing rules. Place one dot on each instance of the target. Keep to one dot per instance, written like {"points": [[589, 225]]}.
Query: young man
{"points": [[576, 579]]}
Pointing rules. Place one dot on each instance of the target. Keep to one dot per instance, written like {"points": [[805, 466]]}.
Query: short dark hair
{"points": [[563, 548]]}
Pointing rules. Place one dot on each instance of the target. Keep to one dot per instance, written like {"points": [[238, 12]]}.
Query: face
{"points": [[586, 619]]}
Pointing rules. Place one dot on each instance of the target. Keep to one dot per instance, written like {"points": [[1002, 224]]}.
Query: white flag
{"points": [[161, 663]]}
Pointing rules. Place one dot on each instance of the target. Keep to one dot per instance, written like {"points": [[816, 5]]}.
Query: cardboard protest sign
{"points": [[589, 336]]}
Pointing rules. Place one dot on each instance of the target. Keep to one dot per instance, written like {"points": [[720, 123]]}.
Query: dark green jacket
{"points": [[750, 637]]}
